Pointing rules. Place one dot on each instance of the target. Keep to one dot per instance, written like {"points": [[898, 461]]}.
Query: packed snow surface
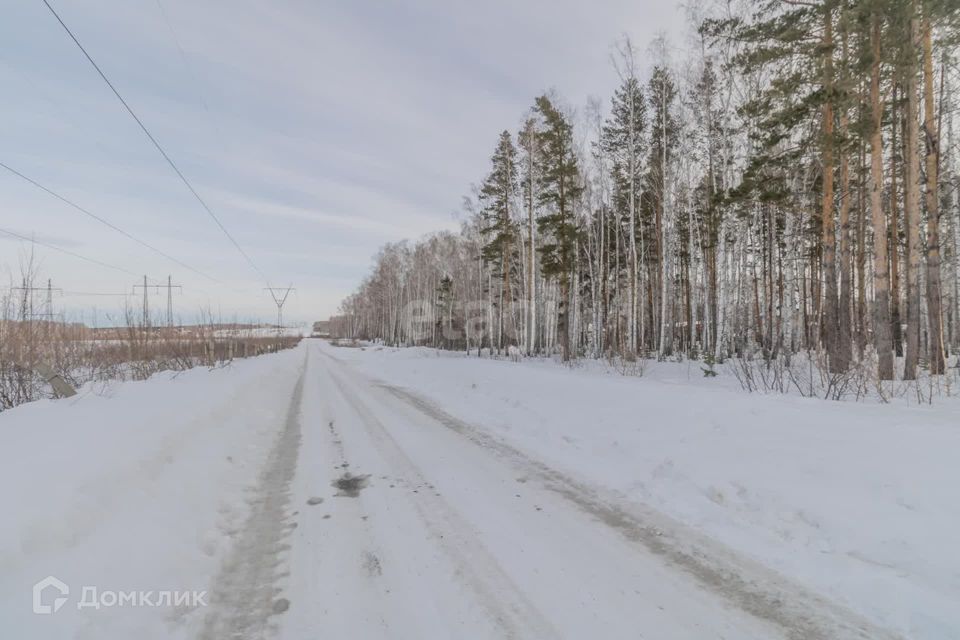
{"points": [[407, 493]]}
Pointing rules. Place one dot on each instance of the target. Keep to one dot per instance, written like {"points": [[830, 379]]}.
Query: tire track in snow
{"points": [[478, 569], [244, 594], [749, 586]]}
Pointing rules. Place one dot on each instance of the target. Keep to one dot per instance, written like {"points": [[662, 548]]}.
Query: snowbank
{"points": [[136, 489]]}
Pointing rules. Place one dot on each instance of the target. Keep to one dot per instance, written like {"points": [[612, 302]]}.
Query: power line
{"points": [[85, 258], [191, 73], [155, 284], [90, 294], [67, 252], [106, 222], [156, 144]]}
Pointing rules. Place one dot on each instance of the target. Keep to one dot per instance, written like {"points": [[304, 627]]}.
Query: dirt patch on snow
{"points": [[349, 485]]}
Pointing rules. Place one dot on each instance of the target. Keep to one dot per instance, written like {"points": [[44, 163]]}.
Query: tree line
{"points": [[790, 184]]}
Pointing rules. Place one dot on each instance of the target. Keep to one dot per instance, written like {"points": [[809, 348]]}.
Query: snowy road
{"points": [[379, 515], [348, 493]]}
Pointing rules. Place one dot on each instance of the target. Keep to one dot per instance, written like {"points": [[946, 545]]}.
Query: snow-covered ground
{"points": [[131, 488], [374, 493], [858, 501]]}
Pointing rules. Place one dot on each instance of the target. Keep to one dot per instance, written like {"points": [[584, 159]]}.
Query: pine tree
{"points": [[664, 130], [907, 25], [560, 186], [932, 171], [622, 138], [497, 197]]}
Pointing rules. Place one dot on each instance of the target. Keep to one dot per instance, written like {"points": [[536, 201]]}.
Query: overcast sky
{"points": [[316, 130]]}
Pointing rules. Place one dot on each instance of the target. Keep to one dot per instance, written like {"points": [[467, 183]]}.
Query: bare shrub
{"points": [[809, 375], [627, 364]]}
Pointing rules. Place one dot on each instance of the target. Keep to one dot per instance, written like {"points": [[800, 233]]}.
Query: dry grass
{"points": [[81, 355]]}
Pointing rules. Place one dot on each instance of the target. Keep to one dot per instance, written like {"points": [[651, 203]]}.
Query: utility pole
{"points": [[279, 300], [170, 288], [25, 306], [146, 302], [49, 309], [28, 316], [26, 309]]}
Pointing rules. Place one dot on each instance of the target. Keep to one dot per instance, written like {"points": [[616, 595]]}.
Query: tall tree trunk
{"points": [[532, 249], [831, 319], [956, 262], [912, 202], [563, 320], [897, 123], [881, 281], [632, 167], [506, 308], [932, 136], [844, 336], [863, 325], [953, 213]]}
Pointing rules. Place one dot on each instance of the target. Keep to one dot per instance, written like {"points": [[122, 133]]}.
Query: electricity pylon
{"points": [[279, 300]]}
